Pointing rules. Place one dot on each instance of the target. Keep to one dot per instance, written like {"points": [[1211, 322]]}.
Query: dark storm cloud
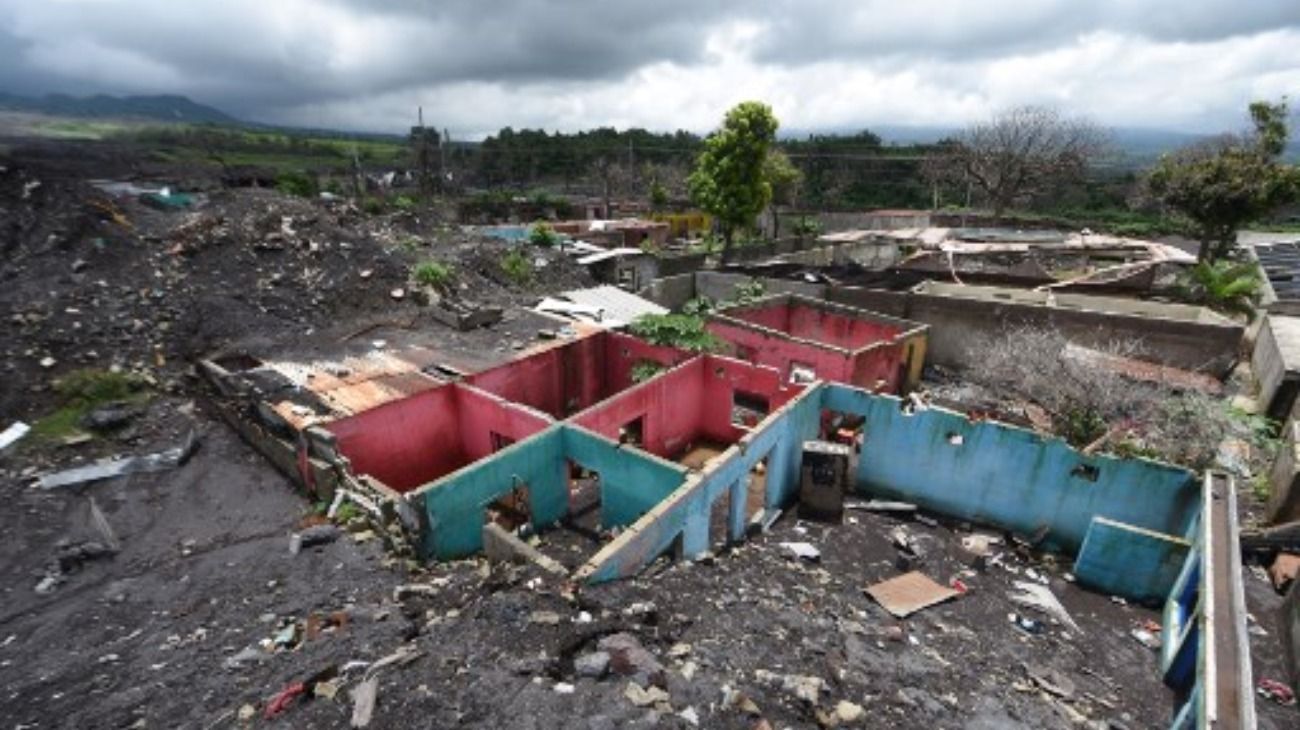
{"points": [[284, 52], [820, 30]]}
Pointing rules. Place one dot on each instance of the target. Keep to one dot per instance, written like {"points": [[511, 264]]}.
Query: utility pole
{"points": [[422, 152]]}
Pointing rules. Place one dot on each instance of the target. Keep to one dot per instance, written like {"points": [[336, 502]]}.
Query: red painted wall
{"points": [[690, 403], [413, 441], [401, 443], [568, 378], [834, 328]]}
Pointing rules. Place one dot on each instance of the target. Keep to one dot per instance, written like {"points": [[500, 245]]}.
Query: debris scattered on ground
{"points": [[880, 505], [908, 593], [1276, 691], [313, 536], [628, 658], [1041, 598], [10, 435], [1283, 571], [160, 461], [803, 550]]}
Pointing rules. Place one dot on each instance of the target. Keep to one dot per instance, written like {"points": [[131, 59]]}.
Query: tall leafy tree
{"points": [[728, 179], [785, 180], [1223, 184]]}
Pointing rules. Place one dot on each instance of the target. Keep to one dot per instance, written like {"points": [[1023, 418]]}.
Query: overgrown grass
{"points": [[80, 392], [433, 273], [517, 267]]}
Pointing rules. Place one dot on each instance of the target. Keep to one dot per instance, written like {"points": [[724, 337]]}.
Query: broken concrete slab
{"points": [[160, 461], [504, 546], [10, 435], [906, 594]]}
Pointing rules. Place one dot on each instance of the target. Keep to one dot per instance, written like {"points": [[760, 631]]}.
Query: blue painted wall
{"points": [[1122, 560], [455, 506], [1008, 476], [631, 482], [685, 514]]}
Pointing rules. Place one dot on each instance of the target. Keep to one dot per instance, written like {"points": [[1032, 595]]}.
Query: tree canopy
{"points": [[1022, 153], [1225, 183], [728, 180]]}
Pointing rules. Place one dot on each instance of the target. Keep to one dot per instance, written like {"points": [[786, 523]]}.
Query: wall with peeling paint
{"points": [[569, 377], [1010, 477], [691, 403], [421, 438]]}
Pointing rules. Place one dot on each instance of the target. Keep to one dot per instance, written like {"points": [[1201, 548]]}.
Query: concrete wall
{"points": [[958, 325], [565, 379], [416, 440], [455, 507], [689, 404], [682, 519], [1284, 478], [1006, 476], [836, 342]]}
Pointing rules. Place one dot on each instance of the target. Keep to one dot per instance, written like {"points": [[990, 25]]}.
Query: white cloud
{"points": [[667, 65]]}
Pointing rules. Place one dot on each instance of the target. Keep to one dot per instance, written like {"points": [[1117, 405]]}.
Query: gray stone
{"points": [[595, 664]]}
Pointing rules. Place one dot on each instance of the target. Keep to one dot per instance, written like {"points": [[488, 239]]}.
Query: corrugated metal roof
{"points": [[605, 305]]}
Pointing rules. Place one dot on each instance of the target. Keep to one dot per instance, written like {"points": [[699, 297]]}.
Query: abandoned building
{"points": [[637, 451]]}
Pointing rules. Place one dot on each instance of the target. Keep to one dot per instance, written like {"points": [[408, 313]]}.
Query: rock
{"points": [[595, 664], [549, 618], [645, 697], [249, 655], [398, 293], [246, 713], [48, 362], [690, 716], [848, 712], [110, 416], [628, 658], [563, 688], [78, 265], [803, 687]]}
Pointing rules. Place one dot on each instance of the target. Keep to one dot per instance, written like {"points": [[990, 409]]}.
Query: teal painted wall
{"points": [[1007, 476], [1124, 561], [455, 506], [684, 515], [631, 483]]}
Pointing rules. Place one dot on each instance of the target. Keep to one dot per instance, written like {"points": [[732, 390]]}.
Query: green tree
{"points": [[658, 195], [1228, 182], [728, 180], [785, 180]]}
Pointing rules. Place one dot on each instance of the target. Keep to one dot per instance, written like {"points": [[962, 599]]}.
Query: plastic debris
{"points": [[1041, 598], [804, 550], [1026, 624], [160, 461], [10, 435], [1276, 691]]}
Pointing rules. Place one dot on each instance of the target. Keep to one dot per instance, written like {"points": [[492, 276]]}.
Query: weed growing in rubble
{"points": [[372, 205], [1224, 286], [541, 234], [80, 392], [645, 369], [517, 266], [403, 202], [676, 330], [433, 273]]}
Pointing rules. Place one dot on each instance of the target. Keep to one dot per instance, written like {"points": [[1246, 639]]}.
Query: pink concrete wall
{"points": [[482, 414], [834, 328], [826, 326], [778, 352], [413, 441], [401, 443], [690, 403], [568, 378]]}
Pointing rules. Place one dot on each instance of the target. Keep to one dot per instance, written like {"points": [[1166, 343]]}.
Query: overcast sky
{"points": [[478, 65]]}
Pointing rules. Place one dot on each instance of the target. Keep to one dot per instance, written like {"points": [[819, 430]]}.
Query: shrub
{"points": [[518, 267], [433, 273], [542, 234], [372, 205], [646, 369], [404, 202], [1224, 286], [298, 183], [676, 330]]}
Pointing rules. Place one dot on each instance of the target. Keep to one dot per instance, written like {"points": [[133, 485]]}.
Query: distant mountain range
{"points": [[1135, 142], [164, 108]]}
